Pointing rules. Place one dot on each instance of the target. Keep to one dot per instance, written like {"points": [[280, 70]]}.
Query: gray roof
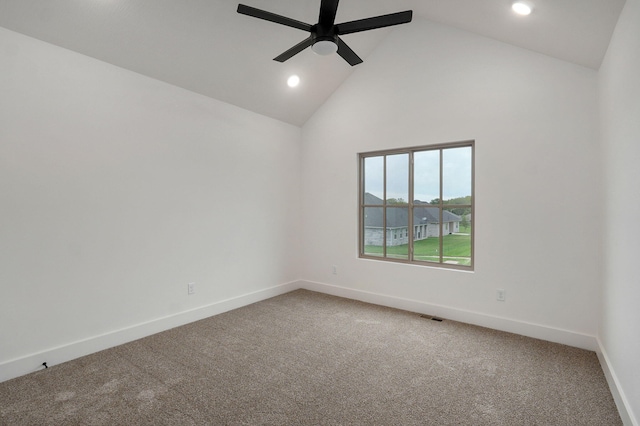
{"points": [[397, 217]]}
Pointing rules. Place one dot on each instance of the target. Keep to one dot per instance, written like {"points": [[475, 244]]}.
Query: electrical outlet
{"points": [[335, 270], [191, 288], [500, 294]]}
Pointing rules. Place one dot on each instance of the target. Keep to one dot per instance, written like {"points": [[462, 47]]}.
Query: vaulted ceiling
{"points": [[206, 47]]}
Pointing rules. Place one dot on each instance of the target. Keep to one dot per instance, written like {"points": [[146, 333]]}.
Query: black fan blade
{"points": [[294, 50], [328, 9], [272, 17], [348, 54], [375, 22]]}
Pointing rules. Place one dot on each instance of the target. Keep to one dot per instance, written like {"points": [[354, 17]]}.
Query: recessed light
{"points": [[521, 8], [293, 81]]}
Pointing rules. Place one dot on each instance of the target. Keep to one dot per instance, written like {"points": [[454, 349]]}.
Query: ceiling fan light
{"points": [[324, 47]]}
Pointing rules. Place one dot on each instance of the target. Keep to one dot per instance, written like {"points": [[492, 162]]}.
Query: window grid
{"points": [[418, 231]]}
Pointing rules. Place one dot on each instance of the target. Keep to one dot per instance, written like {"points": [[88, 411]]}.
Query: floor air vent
{"points": [[432, 318]]}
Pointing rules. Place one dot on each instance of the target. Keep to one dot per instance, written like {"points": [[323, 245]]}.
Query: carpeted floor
{"points": [[305, 358]]}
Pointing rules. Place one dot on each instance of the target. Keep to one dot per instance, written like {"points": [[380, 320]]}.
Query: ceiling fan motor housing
{"points": [[321, 32], [325, 40]]}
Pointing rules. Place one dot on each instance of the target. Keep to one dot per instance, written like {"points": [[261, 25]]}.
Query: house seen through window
{"points": [[416, 205]]}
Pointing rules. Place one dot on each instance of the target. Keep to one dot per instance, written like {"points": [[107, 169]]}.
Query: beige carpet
{"points": [[306, 358]]}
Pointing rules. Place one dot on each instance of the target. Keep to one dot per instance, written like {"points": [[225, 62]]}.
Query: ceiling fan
{"points": [[325, 35]]}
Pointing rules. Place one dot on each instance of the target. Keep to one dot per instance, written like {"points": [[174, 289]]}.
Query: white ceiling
{"points": [[206, 47]]}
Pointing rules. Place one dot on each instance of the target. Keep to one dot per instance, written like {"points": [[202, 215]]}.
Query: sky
{"points": [[456, 174]]}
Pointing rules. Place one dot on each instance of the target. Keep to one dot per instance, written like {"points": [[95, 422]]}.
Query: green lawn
{"points": [[457, 248]]}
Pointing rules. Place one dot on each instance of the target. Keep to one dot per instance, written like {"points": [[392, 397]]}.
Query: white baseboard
{"points": [[628, 419], [537, 331], [33, 362], [30, 363]]}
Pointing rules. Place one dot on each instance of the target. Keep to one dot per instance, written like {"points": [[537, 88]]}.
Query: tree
{"points": [[464, 223], [396, 201], [460, 211]]}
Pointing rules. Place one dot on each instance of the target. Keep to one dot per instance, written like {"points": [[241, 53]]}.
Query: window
{"points": [[424, 193]]}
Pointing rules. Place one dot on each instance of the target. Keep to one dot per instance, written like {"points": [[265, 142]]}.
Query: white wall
{"points": [[620, 107], [117, 190], [538, 179]]}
